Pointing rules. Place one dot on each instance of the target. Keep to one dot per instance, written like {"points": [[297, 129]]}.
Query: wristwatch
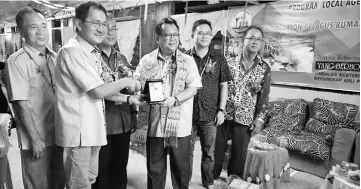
{"points": [[220, 110], [176, 102]]}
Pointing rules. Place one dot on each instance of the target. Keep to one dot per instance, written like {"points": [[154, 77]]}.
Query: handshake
{"points": [[133, 85]]}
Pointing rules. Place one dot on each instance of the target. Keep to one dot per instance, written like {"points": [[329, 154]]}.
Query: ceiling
{"points": [[9, 9]]}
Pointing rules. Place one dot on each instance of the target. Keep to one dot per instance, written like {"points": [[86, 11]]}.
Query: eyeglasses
{"points": [[113, 29], [171, 35], [204, 34], [98, 24], [255, 39]]}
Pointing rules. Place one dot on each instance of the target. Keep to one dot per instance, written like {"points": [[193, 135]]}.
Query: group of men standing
{"points": [[76, 109]]}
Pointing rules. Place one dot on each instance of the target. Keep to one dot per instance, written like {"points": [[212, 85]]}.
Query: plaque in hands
{"points": [[153, 90]]}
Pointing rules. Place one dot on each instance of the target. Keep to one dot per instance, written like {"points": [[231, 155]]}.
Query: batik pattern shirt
{"points": [[213, 70], [248, 91], [117, 116]]}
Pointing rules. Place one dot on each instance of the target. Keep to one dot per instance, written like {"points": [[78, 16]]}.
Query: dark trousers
{"points": [[240, 136], [157, 163], [113, 161], [207, 134]]}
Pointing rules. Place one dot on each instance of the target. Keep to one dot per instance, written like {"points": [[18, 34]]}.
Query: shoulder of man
{"points": [[150, 56], [72, 45], [17, 56], [122, 58], [231, 60], [265, 65], [120, 55], [186, 56]]}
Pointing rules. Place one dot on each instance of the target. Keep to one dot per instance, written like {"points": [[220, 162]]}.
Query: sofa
{"points": [[319, 134]]}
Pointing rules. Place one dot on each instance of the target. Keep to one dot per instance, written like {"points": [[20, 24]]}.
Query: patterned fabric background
{"points": [[286, 118], [315, 126], [333, 113], [316, 146], [290, 114]]}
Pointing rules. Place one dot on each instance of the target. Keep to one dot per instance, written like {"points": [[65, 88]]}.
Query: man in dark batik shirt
{"points": [[246, 104], [210, 101], [120, 117]]}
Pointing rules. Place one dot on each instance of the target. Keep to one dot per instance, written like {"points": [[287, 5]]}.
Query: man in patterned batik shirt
{"points": [[246, 104], [210, 101], [120, 117]]}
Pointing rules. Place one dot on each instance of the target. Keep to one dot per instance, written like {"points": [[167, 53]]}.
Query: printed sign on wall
{"points": [[307, 43]]}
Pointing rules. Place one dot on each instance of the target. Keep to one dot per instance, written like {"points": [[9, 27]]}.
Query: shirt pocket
{"points": [[212, 76], [37, 84]]}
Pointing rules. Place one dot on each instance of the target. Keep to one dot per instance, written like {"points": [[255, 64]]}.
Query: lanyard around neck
{"points": [[205, 66], [42, 72]]}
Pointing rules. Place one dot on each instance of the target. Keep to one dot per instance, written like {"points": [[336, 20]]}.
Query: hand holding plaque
{"points": [[153, 90]]}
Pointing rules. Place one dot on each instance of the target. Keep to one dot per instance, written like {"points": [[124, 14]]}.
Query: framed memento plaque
{"points": [[154, 91]]}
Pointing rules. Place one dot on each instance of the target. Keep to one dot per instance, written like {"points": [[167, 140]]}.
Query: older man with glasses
{"points": [[121, 118], [80, 114], [170, 121]]}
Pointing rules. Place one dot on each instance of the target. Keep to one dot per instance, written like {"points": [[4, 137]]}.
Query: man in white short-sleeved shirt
{"points": [[30, 85], [80, 121]]}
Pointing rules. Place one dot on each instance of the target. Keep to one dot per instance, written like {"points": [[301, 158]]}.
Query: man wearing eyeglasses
{"points": [[246, 104], [121, 117], [80, 120], [170, 121], [210, 101]]}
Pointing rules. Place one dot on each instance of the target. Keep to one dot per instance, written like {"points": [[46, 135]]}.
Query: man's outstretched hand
{"points": [[137, 99]]}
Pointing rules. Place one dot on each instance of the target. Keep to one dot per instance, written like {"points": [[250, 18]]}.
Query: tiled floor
{"points": [[137, 176]]}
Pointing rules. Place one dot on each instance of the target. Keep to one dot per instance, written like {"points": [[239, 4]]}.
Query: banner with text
{"points": [[307, 43]]}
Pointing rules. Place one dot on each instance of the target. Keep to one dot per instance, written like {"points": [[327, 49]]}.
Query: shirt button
{"points": [[163, 117]]}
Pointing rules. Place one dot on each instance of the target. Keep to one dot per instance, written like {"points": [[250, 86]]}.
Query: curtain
{"points": [[128, 32]]}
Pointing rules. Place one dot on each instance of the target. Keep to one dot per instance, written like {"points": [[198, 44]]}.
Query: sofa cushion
{"points": [[316, 146], [315, 126], [287, 114], [333, 113]]}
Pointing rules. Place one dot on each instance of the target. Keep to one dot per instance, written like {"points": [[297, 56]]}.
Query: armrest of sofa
{"points": [[356, 157], [342, 145]]}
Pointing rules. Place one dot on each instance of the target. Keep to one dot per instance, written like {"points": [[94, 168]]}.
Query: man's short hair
{"points": [[200, 22], [252, 27], [20, 16], [168, 20], [81, 11]]}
